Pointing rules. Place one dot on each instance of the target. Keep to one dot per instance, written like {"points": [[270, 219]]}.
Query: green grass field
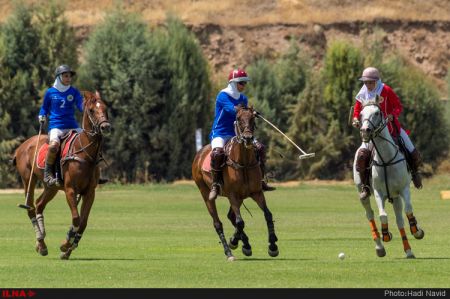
{"points": [[161, 236]]}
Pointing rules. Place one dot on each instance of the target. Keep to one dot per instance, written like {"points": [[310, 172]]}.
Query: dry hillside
{"points": [[232, 32]]}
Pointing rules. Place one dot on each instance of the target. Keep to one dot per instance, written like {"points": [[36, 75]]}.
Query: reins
{"points": [[376, 133]]}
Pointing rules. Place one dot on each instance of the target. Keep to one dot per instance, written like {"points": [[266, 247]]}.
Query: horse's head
{"points": [[95, 110], [245, 125], [372, 121]]}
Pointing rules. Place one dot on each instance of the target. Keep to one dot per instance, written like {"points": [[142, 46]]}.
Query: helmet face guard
{"points": [[64, 69], [238, 75]]}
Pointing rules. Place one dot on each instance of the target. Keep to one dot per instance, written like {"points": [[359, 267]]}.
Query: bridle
{"points": [[95, 122], [239, 134], [376, 133]]}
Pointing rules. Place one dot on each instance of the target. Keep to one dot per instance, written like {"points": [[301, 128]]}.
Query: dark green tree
{"points": [[129, 69], [188, 104]]}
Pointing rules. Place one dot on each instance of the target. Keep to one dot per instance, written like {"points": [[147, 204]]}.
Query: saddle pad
{"points": [[40, 160]]}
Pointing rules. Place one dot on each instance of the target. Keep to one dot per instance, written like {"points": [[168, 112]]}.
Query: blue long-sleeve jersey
{"points": [[225, 114], [60, 107]]}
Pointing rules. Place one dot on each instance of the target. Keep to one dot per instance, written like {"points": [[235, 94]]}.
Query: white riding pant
{"points": [[219, 141], [55, 134]]}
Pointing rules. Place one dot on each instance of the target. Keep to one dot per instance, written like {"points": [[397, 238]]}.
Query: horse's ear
{"points": [[97, 94]]}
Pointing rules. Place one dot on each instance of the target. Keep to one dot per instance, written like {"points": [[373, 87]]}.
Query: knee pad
{"points": [[261, 150], [53, 147], [363, 159], [217, 158]]}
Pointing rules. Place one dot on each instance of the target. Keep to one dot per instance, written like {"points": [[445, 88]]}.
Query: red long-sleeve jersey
{"points": [[390, 104]]}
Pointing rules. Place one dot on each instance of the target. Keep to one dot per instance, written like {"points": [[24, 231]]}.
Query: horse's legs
{"points": [[416, 231], [211, 206], [37, 217], [234, 240], [380, 200], [72, 235], [397, 204], [379, 248], [261, 201], [240, 224]]}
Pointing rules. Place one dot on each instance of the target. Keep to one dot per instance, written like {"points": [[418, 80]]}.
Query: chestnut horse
{"points": [[241, 179], [79, 170]]}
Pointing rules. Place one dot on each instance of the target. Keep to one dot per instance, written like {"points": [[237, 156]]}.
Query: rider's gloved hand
{"points": [[42, 119], [390, 117], [356, 123]]}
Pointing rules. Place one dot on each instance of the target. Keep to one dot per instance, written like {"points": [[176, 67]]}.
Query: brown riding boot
{"points": [[217, 160], [363, 168], [49, 177], [416, 162], [261, 152]]}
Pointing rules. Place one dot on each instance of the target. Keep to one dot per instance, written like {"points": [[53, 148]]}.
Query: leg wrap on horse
{"points": [[363, 168], [217, 162], [261, 153], [49, 177], [415, 163]]}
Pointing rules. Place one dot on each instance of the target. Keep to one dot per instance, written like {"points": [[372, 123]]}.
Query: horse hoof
{"points": [[419, 234], [381, 252], [41, 248], [231, 258], [65, 246], [64, 256], [273, 250], [387, 237], [234, 243], [247, 251], [410, 254]]}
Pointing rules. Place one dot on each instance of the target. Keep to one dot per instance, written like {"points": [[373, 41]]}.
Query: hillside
{"points": [[233, 32]]}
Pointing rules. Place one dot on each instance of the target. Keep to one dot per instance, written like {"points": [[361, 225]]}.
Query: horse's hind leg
{"points": [[379, 248], [416, 231], [38, 221], [400, 224], [211, 206], [261, 201], [239, 235]]}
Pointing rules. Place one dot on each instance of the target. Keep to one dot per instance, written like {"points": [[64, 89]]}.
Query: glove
{"points": [[42, 119], [256, 114], [356, 123], [390, 117]]}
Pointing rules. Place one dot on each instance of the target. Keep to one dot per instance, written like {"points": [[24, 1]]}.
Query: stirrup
{"points": [[52, 182], [365, 193], [215, 190]]}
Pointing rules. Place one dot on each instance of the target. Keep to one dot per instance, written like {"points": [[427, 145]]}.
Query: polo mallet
{"points": [[350, 115], [25, 206], [301, 157]]}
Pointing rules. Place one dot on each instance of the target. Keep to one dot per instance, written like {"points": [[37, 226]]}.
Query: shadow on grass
{"points": [[254, 259]]}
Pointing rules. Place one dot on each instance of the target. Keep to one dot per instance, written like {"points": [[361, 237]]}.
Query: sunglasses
{"points": [[369, 82], [242, 83]]}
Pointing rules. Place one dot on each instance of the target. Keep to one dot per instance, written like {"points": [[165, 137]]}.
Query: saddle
{"points": [[66, 142], [206, 166]]}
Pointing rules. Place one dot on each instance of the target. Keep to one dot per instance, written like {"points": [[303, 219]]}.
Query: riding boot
{"points": [[217, 160], [416, 162], [265, 187], [363, 168], [49, 177], [261, 152]]}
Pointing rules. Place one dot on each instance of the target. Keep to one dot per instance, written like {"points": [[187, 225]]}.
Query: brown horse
{"points": [[78, 168], [241, 179]]}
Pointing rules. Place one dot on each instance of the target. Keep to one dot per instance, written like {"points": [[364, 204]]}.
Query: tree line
{"points": [[158, 88]]}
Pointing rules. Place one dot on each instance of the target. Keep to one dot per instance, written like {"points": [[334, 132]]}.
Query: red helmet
{"points": [[238, 75]]}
